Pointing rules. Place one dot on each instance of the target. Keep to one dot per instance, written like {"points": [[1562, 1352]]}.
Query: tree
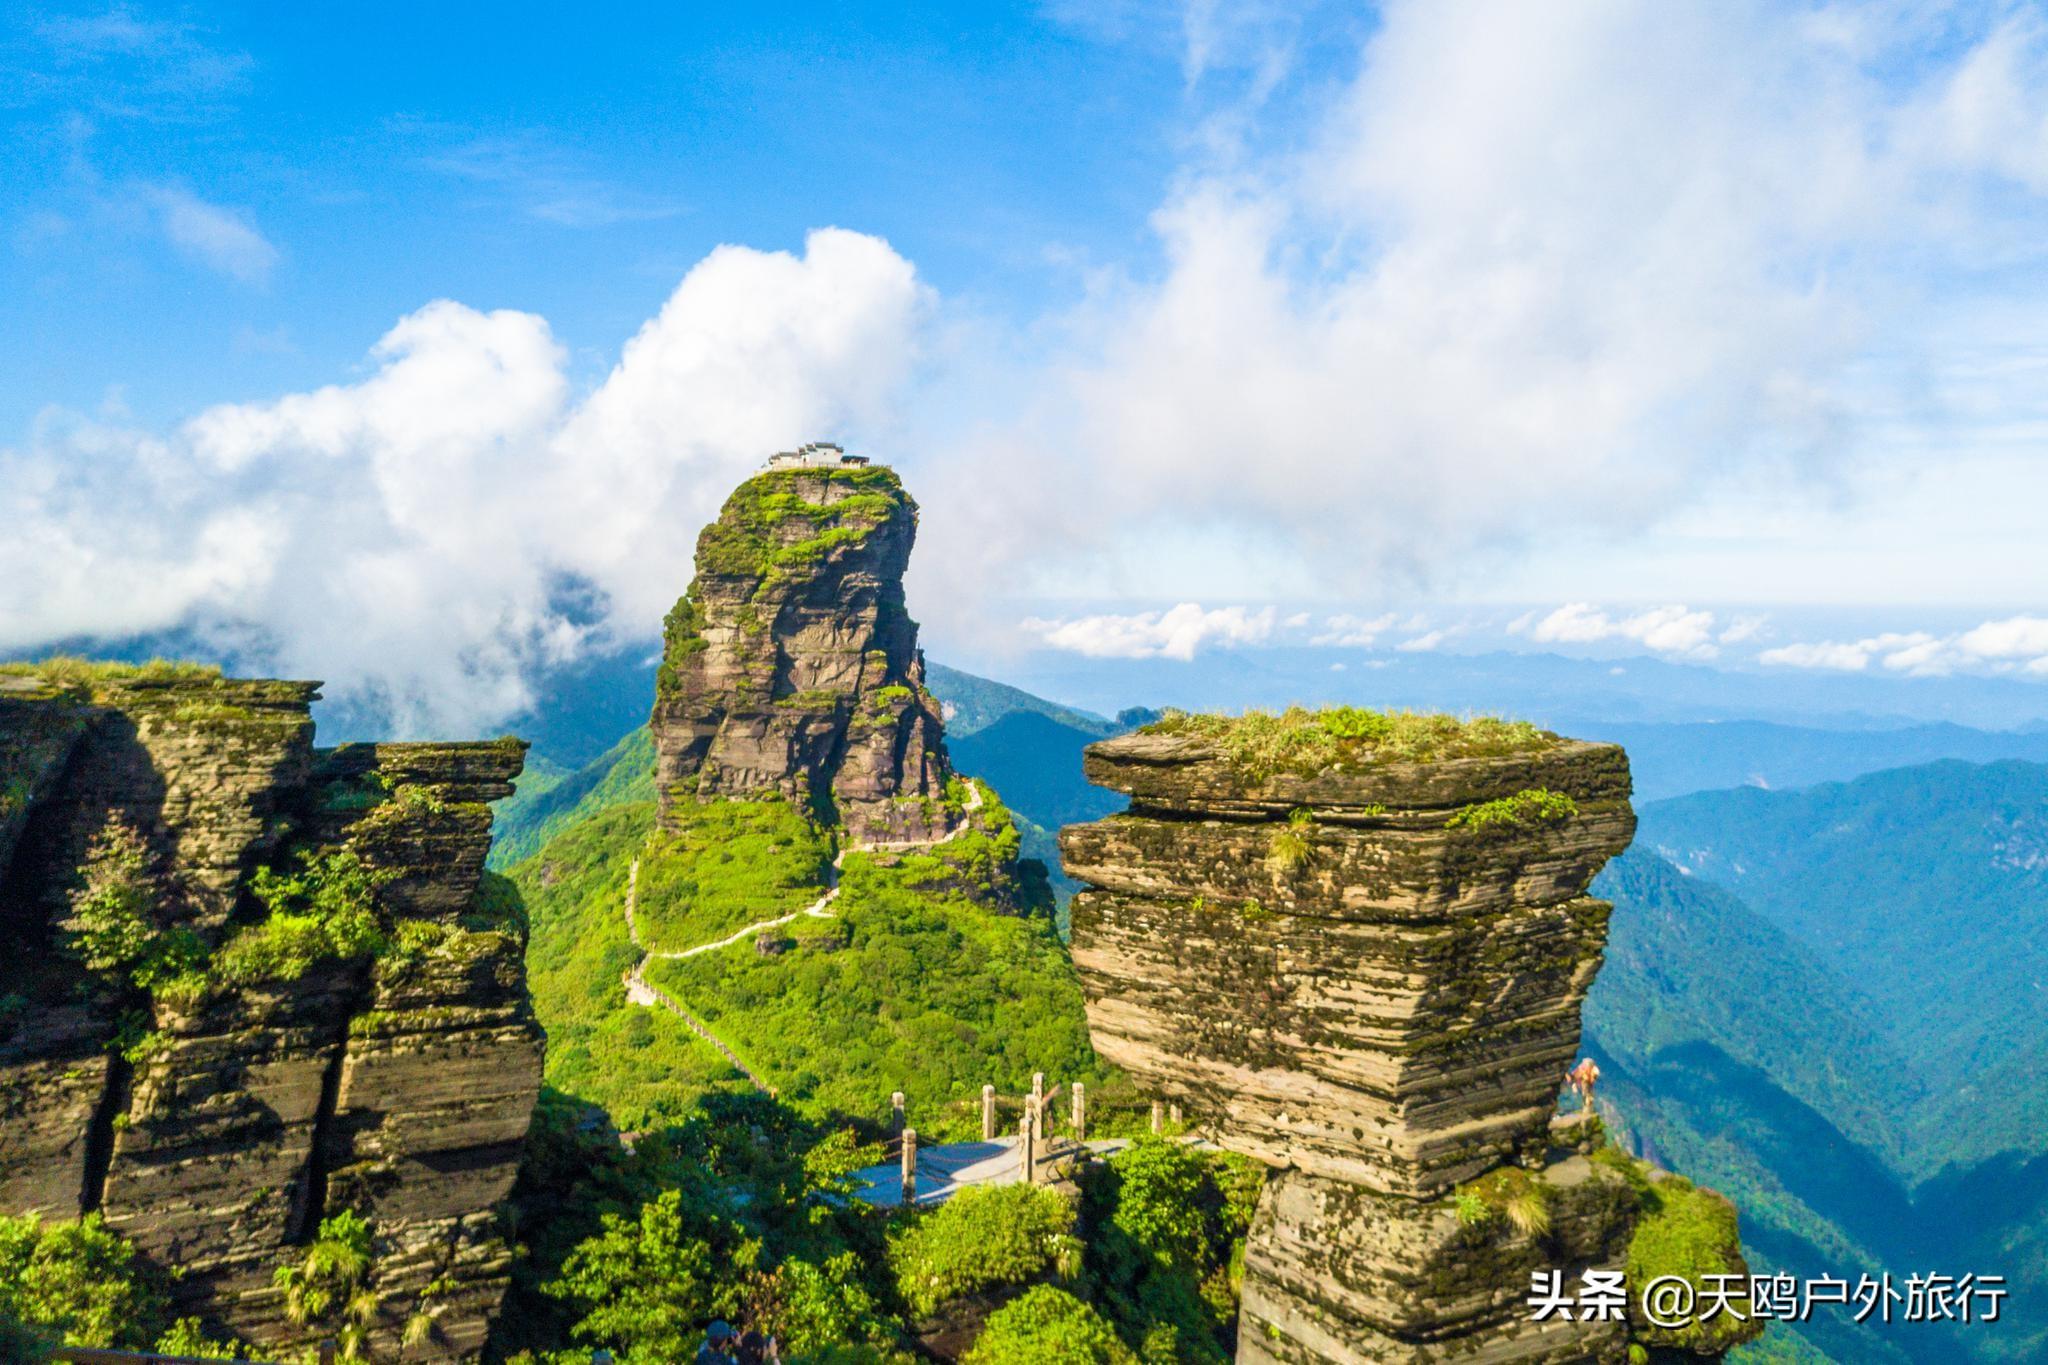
{"points": [[78, 1281], [1048, 1326], [644, 1285]]}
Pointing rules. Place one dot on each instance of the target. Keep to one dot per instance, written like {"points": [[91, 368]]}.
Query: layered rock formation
{"points": [[791, 664], [230, 1076], [1368, 974]]}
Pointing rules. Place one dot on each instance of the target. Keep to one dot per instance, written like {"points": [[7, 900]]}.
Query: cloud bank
{"points": [[429, 536], [1524, 276]]}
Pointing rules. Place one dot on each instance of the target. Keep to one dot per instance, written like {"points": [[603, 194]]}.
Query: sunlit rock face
{"points": [[1369, 976], [791, 665], [215, 1125]]}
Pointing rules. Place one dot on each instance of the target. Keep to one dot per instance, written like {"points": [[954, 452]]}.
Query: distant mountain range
{"points": [[1830, 1001], [1832, 1004]]}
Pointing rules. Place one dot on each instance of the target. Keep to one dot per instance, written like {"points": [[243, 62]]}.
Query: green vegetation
{"points": [[750, 535], [642, 1065], [981, 1239], [1261, 744], [743, 1211], [1165, 1250], [1530, 808], [1288, 848], [1048, 1326], [740, 1210], [524, 822], [81, 1284], [328, 1288], [325, 908], [931, 994], [78, 1282], [1689, 1232], [69, 672], [727, 864], [1505, 1194], [112, 928]]}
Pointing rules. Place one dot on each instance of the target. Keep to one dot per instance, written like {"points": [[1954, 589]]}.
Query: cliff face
{"points": [[791, 664], [259, 983], [1368, 975]]}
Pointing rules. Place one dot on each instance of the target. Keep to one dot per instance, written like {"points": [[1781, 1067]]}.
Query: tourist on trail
{"points": [[719, 1340]]}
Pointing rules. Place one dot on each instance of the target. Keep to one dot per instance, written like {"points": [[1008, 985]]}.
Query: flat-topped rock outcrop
{"points": [[1355, 946], [260, 983], [791, 664]]}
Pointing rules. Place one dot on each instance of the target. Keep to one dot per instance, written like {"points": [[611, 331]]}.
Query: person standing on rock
{"points": [[1583, 1078]]}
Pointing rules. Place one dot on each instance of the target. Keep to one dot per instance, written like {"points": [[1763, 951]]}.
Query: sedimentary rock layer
{"points": [[216, 1125], [1369, 977], [791, 664]]}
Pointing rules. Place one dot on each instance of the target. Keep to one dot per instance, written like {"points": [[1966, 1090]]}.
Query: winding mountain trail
{"points": [[640, 991]]}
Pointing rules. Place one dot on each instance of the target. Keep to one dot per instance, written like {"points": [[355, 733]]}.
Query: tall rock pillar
{"points": [[1366, 971], [791, 665]]}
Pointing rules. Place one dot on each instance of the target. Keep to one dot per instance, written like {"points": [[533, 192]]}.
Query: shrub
{"points": [[112, 928], [1530, 808], [982, 1237], [1506, 1193], [329, 1287], [1692, 1233], [811, 1308], [77, 1281], [1048, 1326], [1288, 847], [645, 1283]]}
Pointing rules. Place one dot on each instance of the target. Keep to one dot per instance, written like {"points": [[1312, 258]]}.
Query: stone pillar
{"points": [[1037, 1089], [1158, 1118], [1368, 976], [1027, 1147], [988, 1113], [1173, 1114], [909, 1166], [1080, 1112], [896, 1110]]}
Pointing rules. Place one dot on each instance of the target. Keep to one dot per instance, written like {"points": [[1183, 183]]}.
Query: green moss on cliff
{"points": [[1260, 743], [1530, 808]]}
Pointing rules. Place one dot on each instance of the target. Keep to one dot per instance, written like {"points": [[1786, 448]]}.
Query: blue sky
{"points": [[529, 156], [412, 348]]}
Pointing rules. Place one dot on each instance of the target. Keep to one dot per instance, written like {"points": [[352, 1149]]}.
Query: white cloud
{"points": [[1422, 644], [1537, 275], [1668, 630], [1995, 646], [429, 534], [218, 238], [1178, 633], [2016, 637], [1742, 628], [1354, 631]]}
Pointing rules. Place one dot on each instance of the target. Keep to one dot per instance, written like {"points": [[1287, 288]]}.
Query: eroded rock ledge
{"points": [[216, 1124], [1368, 975]]}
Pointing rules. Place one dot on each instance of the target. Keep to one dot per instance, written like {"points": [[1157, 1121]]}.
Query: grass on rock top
{"points": [[1297, 740]]}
